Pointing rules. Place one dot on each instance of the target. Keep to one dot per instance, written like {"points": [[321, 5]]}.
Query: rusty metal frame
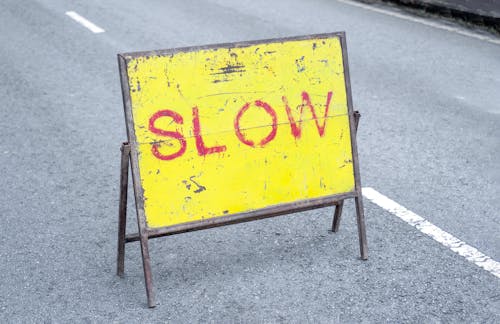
{"points": [[339, 205], [130, 158]]}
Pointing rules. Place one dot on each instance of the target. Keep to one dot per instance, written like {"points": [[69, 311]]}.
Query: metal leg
{"points": [[363, 245], [141, 223], [340, 204], [122, 212], [337, 215], [148, 278], [143, 235]]}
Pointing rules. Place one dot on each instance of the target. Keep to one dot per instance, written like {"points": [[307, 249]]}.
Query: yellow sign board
{"points": [[229, 133], [228, 129]]}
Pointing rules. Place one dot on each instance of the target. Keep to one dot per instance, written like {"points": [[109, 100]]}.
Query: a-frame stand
{"points": [[122, 224], [143, 235], [358, 201], [339, 205]]}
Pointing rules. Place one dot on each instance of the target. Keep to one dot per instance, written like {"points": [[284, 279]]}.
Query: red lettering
{"points": [[176, 118], [268, 109], [306, 102], [200, 144], [203, 149]]}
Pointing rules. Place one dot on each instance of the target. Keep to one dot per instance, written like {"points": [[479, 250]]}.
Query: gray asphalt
{"points": [[486, 8], [428, 138]]}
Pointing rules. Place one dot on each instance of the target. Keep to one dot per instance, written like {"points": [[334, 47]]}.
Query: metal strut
{"points": [[339, 205], [122, 222]]}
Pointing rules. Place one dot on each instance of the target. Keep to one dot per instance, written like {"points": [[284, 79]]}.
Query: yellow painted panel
{"points": [[226, 130]]}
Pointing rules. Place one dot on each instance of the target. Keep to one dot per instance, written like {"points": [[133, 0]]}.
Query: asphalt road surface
{"points": [[429, 139]]}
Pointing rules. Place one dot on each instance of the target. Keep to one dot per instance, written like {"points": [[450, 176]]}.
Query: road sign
{"points": [[228, 133]]}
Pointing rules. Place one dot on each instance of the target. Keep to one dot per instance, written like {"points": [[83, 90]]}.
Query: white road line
{"points": [[423, 21], [84, 22], [468, 252]]}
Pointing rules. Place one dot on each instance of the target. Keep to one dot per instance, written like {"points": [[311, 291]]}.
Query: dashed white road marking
{"points": [[468, 252], [423, 21], [85, 22]]}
